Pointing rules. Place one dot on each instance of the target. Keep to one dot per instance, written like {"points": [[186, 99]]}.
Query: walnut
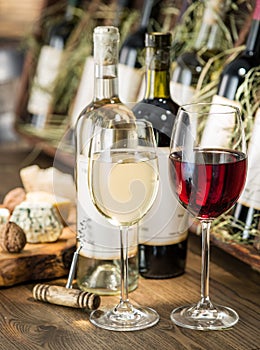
{"points": [[12, 237], [14, 197]]}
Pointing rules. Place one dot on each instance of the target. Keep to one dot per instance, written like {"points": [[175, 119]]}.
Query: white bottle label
{"points": [[46, 72], [85, 91], [181, 94], [99, 238], [129, 81], [217, 130], [167, 221], [141, 92], [251, 194]]}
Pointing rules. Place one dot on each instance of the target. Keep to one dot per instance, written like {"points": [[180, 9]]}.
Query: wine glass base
{"points": [[136, 319], [216, 318]]}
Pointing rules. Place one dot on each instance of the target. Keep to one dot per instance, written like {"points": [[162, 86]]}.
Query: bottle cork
{"points": [[66, 297]]}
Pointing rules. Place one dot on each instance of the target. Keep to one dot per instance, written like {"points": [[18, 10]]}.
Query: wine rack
{"points": [[244, 252]]}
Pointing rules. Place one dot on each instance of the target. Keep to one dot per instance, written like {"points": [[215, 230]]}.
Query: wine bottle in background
{"points": [[98, 268], [208, 43], [234, 73], [47, 69], [131, 55], [123, 6], [163, 232], [247, 211]]}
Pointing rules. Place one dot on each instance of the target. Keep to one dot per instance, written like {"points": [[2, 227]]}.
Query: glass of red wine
{"points": [[207, 169]]}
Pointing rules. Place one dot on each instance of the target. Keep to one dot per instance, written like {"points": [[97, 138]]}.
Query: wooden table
{"points": [[26, 324], [31, 325]]}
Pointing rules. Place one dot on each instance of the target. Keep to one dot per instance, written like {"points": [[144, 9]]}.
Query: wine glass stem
{"points": [[205, 261], [124, 264]]}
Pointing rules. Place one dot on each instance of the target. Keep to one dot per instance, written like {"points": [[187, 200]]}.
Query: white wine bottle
{"points": [[98, 268]]}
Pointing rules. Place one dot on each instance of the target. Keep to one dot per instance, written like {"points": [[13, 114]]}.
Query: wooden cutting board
{"points": [[38, 261]]}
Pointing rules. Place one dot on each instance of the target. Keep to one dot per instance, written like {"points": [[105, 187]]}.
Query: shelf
{"points": [[57, 148], [241, 251]]}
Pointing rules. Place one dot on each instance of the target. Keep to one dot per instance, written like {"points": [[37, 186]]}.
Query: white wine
{"points": [[93, 272], [124, 185], [98, 268]]}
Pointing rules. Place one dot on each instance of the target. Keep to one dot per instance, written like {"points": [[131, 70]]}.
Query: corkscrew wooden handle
{"points": [[66, 297]]}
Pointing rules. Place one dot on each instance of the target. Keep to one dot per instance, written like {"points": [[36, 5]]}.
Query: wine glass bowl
{"points": [[123, 179], [207, 168], [123, 182]]}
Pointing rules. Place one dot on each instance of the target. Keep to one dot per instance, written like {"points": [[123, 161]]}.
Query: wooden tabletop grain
{"points": [[26, 324]]}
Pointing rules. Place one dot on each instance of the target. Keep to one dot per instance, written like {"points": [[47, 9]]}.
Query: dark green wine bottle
{"points": [[163, 231]]}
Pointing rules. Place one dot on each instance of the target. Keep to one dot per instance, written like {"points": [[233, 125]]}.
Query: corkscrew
{"points": [[67, 296]]}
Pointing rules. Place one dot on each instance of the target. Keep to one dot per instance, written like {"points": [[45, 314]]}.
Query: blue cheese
{"points": [[40, 221], [63, 205]]}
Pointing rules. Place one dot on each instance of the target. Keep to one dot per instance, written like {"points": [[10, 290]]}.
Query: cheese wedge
{"points": [[40, 221], [63, 205], [49, 180]]}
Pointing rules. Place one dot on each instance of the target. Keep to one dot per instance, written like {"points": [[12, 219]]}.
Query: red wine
{"points": [[211, 184], [159, 262], [163, 239]]}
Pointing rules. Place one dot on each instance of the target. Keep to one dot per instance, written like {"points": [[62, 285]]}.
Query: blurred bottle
{"points": [[122, 9], [99, 258], [131, 54], [246, 211], [48, 66], [163, 231], [234, 73], [208, 43]]}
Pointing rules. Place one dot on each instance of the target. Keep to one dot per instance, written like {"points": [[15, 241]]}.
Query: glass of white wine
{"points": [[123, 182]]}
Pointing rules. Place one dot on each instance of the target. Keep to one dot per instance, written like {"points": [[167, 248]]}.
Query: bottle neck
{"points": [[253, 40], [106, 82], [147, 10], [106, 66], [122, 5], [70, 9], [210, 33], [157, 73]]}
